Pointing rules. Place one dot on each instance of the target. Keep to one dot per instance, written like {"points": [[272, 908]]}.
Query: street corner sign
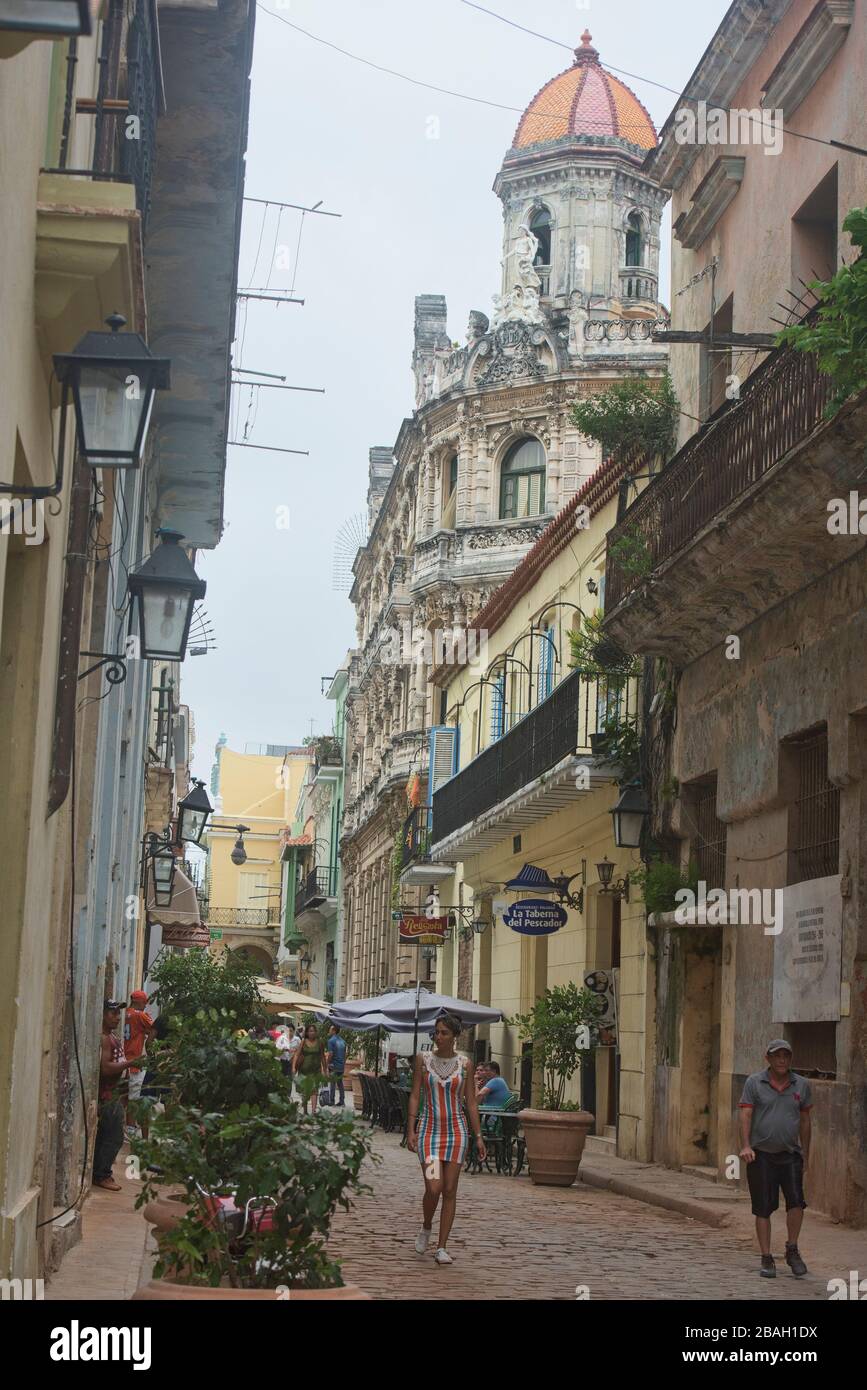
{"points": [[535, 917], [421, 930]]}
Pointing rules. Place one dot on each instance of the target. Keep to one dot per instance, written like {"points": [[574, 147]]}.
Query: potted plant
{"points": [[261, 1184], [556, 1131]]}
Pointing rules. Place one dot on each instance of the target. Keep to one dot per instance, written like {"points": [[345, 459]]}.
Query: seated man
{"points": [[494, 1092]]}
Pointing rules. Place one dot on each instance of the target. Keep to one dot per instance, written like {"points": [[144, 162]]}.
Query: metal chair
{"points": [[367, 1098]]}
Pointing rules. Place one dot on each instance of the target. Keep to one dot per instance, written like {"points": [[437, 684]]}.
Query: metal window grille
{"points": [[817, 829], [710, 838]]}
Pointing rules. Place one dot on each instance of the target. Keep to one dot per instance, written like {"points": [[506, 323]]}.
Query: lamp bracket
{"points": [[115, 664]]}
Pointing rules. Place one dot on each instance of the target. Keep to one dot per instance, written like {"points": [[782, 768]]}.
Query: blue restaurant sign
{"points": [[535, 917]]}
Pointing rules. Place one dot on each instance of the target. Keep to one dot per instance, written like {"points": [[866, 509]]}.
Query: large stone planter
{"points": [[164, 1290], [555, 1143]]}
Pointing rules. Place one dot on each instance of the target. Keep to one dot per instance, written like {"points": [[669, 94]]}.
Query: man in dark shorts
{"points": [[775, 1143]]}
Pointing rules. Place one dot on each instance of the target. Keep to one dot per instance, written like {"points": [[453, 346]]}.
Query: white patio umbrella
{"points": [[406, 1011]]}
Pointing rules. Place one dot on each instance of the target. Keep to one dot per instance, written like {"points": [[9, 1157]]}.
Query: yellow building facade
{"points": [[259, 791], [535, 794]]}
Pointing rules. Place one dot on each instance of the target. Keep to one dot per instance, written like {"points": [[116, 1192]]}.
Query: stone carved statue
{"points": [[478, 326], [521, 300]]}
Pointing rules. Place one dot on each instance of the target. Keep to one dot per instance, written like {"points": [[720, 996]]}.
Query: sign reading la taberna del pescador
{"points": [[535, 917], [422, 930]]}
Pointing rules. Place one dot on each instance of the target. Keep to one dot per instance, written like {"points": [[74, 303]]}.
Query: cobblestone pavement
{"points": [[513, 1240]]}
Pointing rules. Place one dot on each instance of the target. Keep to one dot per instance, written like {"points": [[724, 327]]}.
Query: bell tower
{"points": [[577, 207]]}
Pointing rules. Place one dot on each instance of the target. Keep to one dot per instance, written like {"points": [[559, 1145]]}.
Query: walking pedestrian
{"points": [[137, 1032], [310, 1059], [110, 1111], [336, 1050], [445, 1078], [288, 1044], [776, 1130]]}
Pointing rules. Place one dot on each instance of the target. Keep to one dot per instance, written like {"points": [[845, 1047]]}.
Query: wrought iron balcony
{"points": [[780, 405], [560, 725], [416, 836], [241, 916], [319, 885], [127, 102]]}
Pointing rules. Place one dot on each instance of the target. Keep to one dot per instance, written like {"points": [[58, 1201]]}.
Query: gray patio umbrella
{"points": [[406, 1011]]}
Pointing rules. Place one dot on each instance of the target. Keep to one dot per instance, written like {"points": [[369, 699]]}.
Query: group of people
{"points": [[305, 1054]]}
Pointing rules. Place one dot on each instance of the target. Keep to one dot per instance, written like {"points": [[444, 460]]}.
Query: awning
{"points": [[181, 921], [276, 997]]}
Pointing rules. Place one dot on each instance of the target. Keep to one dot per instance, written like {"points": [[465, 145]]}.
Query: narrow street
{"points": [[515, 1241]]}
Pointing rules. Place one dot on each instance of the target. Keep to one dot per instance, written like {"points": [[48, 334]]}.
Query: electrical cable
{"points": [[604, 125]]}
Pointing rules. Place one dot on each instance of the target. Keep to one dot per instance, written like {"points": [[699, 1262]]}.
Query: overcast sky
{"points": [[418, 217]]}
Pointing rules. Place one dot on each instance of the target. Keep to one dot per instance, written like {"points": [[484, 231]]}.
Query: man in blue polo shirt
{"points": [[336, 1049], [495, 1092], [775, 1143]]}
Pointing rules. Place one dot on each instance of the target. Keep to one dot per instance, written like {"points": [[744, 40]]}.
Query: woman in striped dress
{"points": [[445, 1079]]}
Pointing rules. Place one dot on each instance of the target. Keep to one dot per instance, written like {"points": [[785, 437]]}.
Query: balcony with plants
{"points": [[742, 516]]}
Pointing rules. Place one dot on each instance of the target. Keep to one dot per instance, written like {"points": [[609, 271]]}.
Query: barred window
{"points": [[709, 836], [815, 818]]}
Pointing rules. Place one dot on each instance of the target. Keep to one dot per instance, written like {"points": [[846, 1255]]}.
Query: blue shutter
{"points": [[545, 673], [498, 707], [443, 759]]}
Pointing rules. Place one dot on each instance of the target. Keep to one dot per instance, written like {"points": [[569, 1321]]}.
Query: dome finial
{"points": [[586, 53]]}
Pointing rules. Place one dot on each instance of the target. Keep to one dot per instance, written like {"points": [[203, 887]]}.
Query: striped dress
{"points": [[442, 1133]]}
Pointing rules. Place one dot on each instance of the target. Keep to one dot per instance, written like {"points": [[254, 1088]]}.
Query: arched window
{"points": [[540, 226], [633, 239], [522, 480]]}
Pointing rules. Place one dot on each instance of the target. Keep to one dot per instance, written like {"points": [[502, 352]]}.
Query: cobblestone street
{"points": [[514, 1240]]}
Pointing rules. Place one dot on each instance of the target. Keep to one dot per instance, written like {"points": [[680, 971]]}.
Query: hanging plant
{"points": [[838, 334], [640, 414], [659, 881], [597, 656], [632, 554]]}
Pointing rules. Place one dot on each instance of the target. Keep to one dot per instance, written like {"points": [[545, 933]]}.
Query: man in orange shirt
{"points": [[139, 1029]]}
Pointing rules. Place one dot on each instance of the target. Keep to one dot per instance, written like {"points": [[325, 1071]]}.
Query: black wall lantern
{"points": [[165, 589], [610, 887], [630, 814], [193, 814], [113, 378], [162, 861]]}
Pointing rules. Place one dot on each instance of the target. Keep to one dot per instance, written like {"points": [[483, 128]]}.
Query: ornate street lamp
{"points": [[239, 854], [630, 814], [113, 378], [165, 589], [193, 814], [163, 867], [610, 888]]}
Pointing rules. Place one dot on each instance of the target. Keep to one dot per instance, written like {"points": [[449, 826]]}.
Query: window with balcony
{"points": [[814, 237], [497, 690], [522, 480], [633, 239]]}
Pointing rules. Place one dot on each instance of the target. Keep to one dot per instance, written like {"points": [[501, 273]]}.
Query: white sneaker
{"points": [[443, 1257], [421, 1241]]}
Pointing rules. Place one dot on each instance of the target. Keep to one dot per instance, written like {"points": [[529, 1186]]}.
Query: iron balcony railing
{"points": [[319, 885], [128, 100], [562, 724], [780, 404], [241, 916], [416, 837]]}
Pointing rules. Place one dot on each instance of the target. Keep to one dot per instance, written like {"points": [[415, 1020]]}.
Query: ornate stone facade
{"points": [[576, 312]]}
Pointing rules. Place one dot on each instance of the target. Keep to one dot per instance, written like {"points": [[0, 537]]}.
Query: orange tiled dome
{"points": [[585, 100]]}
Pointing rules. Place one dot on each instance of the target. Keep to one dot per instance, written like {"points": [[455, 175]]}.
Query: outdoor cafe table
{"points": [[500, 1134]]}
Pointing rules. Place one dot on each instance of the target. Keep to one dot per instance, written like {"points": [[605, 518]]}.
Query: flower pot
{"points": [[164, 1213], [555, 1143], [165, 1290], [597, 744]]}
